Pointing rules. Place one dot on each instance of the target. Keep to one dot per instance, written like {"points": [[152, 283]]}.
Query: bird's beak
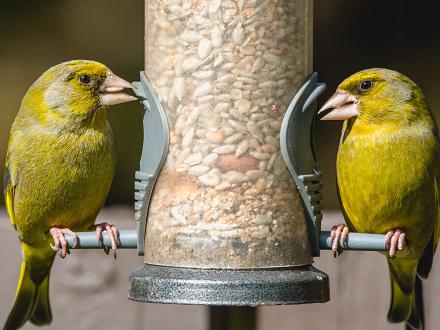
{"points": [[340, 106], [111, 90]]}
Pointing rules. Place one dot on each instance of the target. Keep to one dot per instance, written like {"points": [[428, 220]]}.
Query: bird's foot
{"points": [[337, 233], [60, 243], [113, 233], [394, 241]]}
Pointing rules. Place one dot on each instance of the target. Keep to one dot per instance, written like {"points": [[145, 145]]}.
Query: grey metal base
{"points": [[219, 287]]}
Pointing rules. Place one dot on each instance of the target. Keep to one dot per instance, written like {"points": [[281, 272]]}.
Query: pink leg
{"points": [[112, 232], [60, 240], [338, 233], [394, 241]]}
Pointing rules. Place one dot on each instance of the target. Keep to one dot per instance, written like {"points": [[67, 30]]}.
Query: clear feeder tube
{"points": [[225, 72]]}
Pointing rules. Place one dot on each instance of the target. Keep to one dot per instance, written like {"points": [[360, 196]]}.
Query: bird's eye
{"points": [[84, 79], [365, 85]]}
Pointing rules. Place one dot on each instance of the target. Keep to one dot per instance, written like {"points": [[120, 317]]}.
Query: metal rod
{"points": [[232, 318], [355, 241], [88, 240], [128, 240]]}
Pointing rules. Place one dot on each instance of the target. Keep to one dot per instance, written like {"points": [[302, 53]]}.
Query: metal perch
{"points": [[128, 240]]}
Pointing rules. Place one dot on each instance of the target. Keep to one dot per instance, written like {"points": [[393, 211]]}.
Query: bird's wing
{"points": [[9, 189], [425, 262]]}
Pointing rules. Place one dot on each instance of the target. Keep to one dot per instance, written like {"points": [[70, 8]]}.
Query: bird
{"points": [[59, 167], [388, 178]]}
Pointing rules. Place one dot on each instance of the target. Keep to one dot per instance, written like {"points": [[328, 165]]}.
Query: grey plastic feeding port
{"points": [[231, 284]]}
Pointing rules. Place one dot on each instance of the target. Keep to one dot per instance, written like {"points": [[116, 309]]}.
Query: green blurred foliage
{"points": [[348, 36]]}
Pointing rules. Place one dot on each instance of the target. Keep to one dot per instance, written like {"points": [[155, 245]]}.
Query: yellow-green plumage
{"points": [[387, 169], [59, 167]]}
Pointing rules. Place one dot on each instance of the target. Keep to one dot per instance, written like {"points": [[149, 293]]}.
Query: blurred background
{"points": [[348, 36]]}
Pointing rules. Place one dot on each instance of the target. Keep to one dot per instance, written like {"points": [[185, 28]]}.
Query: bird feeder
{"points": [[223, 213], [228, 194]]}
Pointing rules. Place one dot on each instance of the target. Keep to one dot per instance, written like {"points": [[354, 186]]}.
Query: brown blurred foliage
{"points": [[349, 36]]}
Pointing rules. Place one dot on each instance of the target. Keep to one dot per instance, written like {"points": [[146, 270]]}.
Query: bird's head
{"points": [[375, 96], [76, 90]]}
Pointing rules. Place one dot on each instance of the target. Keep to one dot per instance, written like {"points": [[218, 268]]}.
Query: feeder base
{"points": [[221, 287]]}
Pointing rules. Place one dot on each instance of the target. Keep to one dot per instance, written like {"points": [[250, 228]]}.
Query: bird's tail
{"points": [[403, 307], [416, 320], [31, 299], [42, 313]]}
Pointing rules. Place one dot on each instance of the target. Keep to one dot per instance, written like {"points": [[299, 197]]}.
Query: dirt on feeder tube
{"points": [[225, 72]]}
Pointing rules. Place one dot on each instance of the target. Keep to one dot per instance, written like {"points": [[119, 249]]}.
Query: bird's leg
{"points": [[337, 233], [394, 241], [60, 240], [112, 232]]}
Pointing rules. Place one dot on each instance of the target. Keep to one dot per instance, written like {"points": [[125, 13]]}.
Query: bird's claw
{"points": [[394, 241], [113, 233], [60, 243], [338, 233]]}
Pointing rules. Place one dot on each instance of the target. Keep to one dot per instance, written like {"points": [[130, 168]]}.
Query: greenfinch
{"points": [[59, 166], [387, 177]]}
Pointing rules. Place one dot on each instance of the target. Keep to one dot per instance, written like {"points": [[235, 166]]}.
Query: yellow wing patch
{"points": [[9, 191]]}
